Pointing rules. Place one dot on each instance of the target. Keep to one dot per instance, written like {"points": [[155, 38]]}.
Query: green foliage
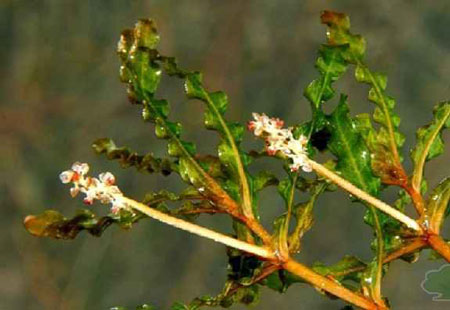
{"points": [[365, 156], [303, 213], [353, 162], [438, 205], [127, 158], [429, 141], [331, 66], [142, 73], [383, 143], [142, 67], [429, 138], [353, 156], [53, 224]]}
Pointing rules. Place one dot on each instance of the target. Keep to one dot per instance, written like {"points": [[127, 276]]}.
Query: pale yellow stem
{"points": [[199, 230], [355, 191]]}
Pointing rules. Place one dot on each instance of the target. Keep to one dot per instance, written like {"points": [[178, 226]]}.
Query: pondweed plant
{"points": [[366, 159]]}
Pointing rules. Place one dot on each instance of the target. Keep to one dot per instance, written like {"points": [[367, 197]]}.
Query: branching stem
{"points": [[199, 230], [296, 268]]}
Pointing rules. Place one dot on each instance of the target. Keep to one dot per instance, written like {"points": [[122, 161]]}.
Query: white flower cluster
{"points": [[102, 189], [279, 139]]}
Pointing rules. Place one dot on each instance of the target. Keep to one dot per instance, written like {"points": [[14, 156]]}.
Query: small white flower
{"points": [[117, 205], [66, 176], [107, 178], [279, 139], [80, 168], [102, 189]]}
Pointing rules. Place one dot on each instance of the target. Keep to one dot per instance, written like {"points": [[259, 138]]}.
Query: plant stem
{"points": [[416, 244], [254, 226], [200, 231], [416, 197], [352, 189], [329, 285], [283, 246], [376, 287], [440, 246], [296, 268]]}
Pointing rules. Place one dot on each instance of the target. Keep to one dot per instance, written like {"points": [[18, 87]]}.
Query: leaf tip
{"points": [[331, 18]]}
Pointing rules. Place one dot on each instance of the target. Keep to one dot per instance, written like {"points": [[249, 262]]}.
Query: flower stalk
{"points": [[104, 190], [279, 139], [199, 230], [355, 191]]}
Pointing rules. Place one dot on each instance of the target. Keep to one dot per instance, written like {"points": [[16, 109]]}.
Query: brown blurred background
{"points": [[60, 91]]}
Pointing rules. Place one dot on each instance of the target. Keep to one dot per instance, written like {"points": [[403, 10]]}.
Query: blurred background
{"points": [[60, 91]]}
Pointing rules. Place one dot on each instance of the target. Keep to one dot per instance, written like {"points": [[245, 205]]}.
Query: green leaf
{"points": [[354, 164], [211, 165], [348, 268], [385, 142], [438, 205], [353, 156], [232, 157], [193, 203], [143, 75], [141, 71], [286, 189], [127, 158], [264, 179], [53, 224], [153, 199], [331, 66], [303, 213], [429, 141], [180, 306]]}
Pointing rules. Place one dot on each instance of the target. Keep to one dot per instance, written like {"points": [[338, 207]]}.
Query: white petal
{"points": [[66, 176], [107, 178], [81, 168]]}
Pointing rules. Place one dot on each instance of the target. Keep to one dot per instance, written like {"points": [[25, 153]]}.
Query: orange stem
{"points": [[254, 226], [329, 286], [440, 246], [416, 244], [417, 199]]}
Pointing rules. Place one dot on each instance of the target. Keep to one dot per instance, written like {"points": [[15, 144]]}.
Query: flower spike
{"points": [[104, 190], [279, 139], [101, 188]]}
